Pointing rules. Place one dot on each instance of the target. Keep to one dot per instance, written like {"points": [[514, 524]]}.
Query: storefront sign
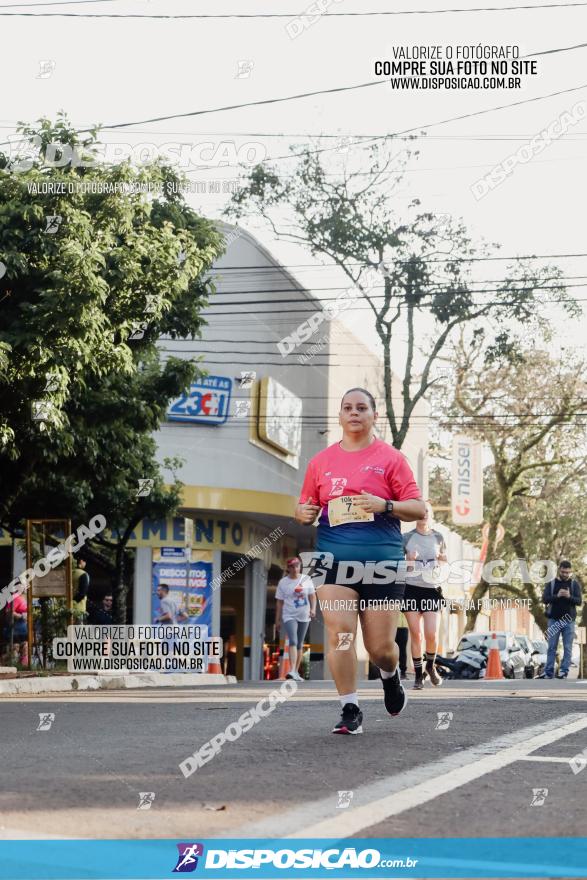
{"points": [[209, 533], [207, 403], [280, 417], [192, 596], [467, 482]]}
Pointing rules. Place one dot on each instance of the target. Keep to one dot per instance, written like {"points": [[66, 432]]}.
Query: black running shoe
{"points": [[433, 675], [394, 695], [419, 684], [351, 720]]}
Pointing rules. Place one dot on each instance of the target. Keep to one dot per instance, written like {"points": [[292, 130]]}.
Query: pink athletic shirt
{"points": [[379, 469]]}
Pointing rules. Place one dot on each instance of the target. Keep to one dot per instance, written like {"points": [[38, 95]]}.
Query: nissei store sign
{"points": [[208, 402], [467, 482]]}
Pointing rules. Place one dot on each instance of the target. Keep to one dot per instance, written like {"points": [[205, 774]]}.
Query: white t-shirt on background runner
{"points": [[294, 593], [427, 548]]}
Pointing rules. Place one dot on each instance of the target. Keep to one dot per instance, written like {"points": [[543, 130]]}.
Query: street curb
{"points": [[64, 683]]}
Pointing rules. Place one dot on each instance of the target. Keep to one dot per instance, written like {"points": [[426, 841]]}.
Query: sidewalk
{"points": [[53, 684]]}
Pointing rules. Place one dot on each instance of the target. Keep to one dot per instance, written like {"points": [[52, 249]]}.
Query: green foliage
{"points": [[527, 408], [70, 302], [70, 299]]}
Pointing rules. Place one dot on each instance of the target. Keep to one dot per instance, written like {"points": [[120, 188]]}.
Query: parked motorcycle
{"points": [[468, 664]]}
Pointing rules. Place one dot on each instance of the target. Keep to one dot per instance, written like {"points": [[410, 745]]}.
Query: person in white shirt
{"points": [[170, 611], [295, 606]]}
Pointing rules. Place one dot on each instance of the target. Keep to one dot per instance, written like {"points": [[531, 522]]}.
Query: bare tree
{"points": [[408, 270], [524, 408]]}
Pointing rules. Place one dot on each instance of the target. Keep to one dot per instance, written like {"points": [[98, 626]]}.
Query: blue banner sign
{"points": [[207, 403], [227, 858]]}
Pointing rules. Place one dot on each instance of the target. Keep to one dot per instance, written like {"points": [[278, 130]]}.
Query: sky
{"points": [[113, 71]]}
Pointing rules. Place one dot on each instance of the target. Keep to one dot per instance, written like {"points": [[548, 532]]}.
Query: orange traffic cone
{"points": [[494, 670], [214, 667], [285, 666]]}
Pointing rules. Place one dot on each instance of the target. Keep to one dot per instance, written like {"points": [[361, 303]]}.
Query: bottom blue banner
{"points": [[241, 857]]}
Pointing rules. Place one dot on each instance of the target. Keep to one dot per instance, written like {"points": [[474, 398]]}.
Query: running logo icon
{"points": [[46, 719], [146, 799], [539, 795], [344, 800], [316, 565], [345, 641], [187, 860], [338, 484], [444, 719], [145, 488]]}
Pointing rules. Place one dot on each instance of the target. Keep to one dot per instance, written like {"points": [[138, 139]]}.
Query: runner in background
{"points": [[361, 488], [423, 595], [295, 600], [401, 639]]}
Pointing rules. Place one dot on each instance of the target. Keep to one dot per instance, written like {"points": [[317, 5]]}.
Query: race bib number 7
{"points": [[347, 509]]}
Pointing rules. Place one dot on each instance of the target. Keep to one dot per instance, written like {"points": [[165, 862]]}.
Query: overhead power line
{"points": [[441, 260], [249, 104], [301, 95], [118, 125], [428, 125], [554, 51], [54, 3], [229, 301], [343, 89], [362, 306], [296, 13]]}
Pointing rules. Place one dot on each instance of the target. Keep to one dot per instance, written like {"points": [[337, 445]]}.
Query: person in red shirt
{"points": [[360, 488], [19, 629]]}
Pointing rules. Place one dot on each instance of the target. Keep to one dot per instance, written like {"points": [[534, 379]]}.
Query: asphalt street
{"points": [[468, 759]]}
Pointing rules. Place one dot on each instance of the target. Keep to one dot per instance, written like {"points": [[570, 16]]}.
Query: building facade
{"points": [[277, 366]]}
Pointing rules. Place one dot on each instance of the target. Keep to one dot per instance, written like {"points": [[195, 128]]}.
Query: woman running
{"points": [[295, 605], [423, 596], [361, 487]]}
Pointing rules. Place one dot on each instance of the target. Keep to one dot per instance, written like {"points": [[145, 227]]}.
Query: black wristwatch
{"points": [[389, 508]]}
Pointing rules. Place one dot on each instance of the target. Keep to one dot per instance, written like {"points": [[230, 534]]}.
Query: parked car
{"points": [[513, 660], [531, 669]]}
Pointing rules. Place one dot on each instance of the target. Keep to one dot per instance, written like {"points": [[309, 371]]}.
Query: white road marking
{"points": [[392, 795], [27, 834], [546, 759], [309, 692]]}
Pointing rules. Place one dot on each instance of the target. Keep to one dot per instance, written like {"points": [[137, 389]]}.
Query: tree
{"points": [[82, 310], [545, 521], [523, 406], [404, 269], [111, 422], [72, 298]]}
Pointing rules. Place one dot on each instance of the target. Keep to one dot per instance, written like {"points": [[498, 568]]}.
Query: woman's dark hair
{"points": [[363, 391]]}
